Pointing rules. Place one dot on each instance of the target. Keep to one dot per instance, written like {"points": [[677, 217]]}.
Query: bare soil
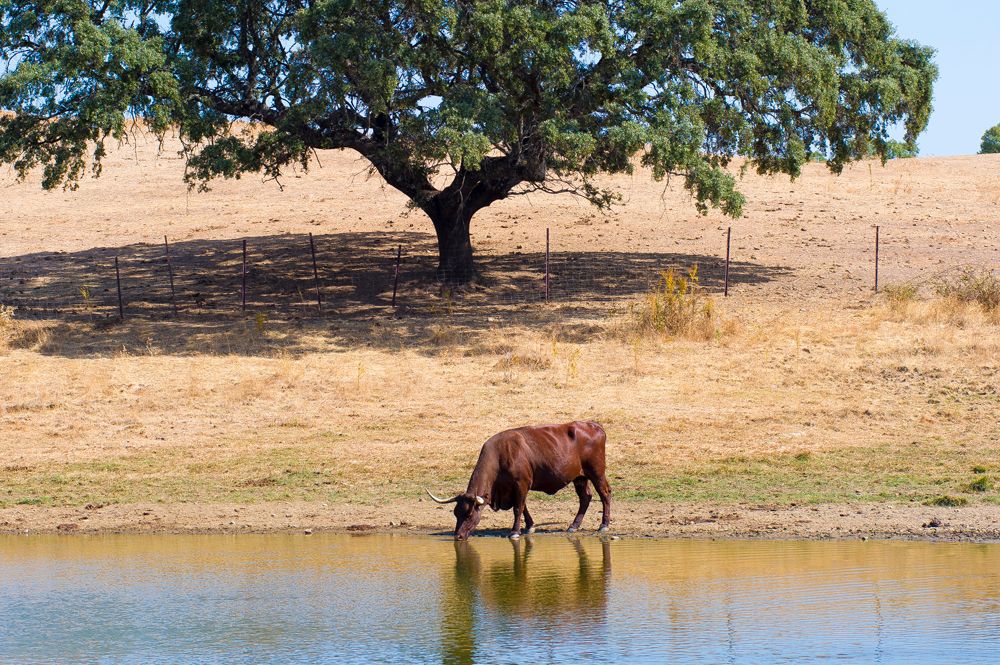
{"points": [[633, 519]]}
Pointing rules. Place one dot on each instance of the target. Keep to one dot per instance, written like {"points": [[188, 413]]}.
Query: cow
{"points": [[543, 459]]}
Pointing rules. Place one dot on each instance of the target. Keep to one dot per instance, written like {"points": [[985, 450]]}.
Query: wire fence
{"points": [[299, 276]]}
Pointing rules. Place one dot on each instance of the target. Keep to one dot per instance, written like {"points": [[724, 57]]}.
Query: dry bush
{"points": [[8, 326], [444, 335], [16, 334], [522, 359], [675, 306], [971, 299], [972, 286], [899, 297]]}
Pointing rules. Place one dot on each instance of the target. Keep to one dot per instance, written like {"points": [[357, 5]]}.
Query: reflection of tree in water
{"points": [[551, 595]]}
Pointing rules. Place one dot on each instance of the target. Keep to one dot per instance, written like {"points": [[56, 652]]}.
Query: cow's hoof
{"points": [[530, 531], [603, 529], [515, 536], [572, 529]]}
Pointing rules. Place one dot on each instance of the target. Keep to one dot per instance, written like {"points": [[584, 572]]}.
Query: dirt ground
{"points": [[819, 409], [633, 519]]}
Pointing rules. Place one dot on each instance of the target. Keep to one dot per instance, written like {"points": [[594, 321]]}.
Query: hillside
{"points": [[817, 408]]}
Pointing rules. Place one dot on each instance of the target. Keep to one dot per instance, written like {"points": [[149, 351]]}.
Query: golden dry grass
{"points": [[865, 404]]}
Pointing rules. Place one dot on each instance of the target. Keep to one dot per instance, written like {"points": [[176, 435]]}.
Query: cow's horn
{"points": [[437, 500], [480, 500]]}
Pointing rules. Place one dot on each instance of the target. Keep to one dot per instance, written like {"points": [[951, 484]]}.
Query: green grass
{"points": [[981, 484], [321, 470]]}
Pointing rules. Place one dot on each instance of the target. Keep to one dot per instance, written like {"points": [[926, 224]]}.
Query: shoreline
{"points": [[645, 519]]}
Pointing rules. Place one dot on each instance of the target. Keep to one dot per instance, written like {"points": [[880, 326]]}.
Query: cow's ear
{"points": [[480, 501]]}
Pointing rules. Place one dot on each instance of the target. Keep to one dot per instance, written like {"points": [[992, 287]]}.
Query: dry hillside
{"points": [[814, 407]]}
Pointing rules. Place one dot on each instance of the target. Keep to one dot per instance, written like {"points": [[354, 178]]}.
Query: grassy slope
{"points": [[814, 392]]}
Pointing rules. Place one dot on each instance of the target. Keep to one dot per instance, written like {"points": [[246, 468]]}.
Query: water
{"points": [[552, 599]]}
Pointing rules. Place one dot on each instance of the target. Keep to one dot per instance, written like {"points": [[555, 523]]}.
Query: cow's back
{"points": [[555, 454]]}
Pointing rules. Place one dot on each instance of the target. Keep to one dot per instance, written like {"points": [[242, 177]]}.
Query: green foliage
{"points": [[991, 141], [901, 150], [981, 484], [507, 97]]}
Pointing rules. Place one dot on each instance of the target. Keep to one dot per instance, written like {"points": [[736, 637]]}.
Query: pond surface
{"points": [[552, 599]]}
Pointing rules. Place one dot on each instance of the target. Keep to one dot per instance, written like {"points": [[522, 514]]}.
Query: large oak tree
{"points": [[461, 103]]}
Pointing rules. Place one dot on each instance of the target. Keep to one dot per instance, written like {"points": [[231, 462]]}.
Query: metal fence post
{"points": [[170, 271], [319, 296], [118, 280], [395, 279], [729, 233]]}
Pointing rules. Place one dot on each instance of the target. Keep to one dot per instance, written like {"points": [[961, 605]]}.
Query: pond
{"points": [[552, 599]]}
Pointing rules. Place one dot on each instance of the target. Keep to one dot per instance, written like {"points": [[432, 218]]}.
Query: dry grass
{"points": [[795, 407], [674, 307]]}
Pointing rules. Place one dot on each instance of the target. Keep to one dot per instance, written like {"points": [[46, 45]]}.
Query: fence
{"points": [[300, 276]]}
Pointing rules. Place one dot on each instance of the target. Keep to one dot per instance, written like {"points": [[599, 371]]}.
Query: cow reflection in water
{"points": [[549, 596]]}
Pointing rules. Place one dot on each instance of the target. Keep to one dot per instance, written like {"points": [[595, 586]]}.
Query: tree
{"points": [[461, 103], [991, 141]]}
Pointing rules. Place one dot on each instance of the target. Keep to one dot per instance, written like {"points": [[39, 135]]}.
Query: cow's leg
{"points": [[603, 491], [515, 533], [520, 495], [582, 486], [529, 524]]}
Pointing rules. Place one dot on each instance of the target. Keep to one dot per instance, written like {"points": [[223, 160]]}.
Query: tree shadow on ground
{"points": [[77, 293]]}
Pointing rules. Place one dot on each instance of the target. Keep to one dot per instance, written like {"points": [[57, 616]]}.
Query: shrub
{"points": [[972, 285], [981, 484], [899, 295], [946, 501], [674, 307], [8, 326], [991, 141], [6, 317]]}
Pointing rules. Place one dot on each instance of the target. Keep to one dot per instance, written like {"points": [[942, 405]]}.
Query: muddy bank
{"points": [[633, 519]]}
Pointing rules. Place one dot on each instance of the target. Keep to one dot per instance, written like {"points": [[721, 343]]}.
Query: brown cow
{"points": [[544, 459]]}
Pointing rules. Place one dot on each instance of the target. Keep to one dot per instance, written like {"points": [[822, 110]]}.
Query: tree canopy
{"points": [[461, 103], [991, 141]]}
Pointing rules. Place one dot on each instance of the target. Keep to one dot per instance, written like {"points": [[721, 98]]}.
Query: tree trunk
{"points": [[454, 246]]}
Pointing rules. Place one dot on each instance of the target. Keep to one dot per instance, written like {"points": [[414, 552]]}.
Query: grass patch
{"points": [[32, 501], [899, 296], [981, 484], [946, 501]]}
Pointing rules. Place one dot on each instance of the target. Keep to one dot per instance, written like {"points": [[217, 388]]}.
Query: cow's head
{"points": [[468, 512]]}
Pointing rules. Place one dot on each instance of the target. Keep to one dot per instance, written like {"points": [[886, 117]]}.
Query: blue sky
{"points": [[966, 34]]}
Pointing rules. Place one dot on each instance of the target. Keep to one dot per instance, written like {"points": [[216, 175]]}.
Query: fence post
{"points": [[118, 280], [876, 257], [170, 271], [319, 296], [546, 264], [244, 289], [395, 279], [729, 233]]}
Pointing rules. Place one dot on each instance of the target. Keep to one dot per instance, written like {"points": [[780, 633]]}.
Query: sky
{"points": [[966, 34]]}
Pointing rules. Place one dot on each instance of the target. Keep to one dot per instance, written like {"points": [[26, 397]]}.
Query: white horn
{"points": [[480, 500], [437, 500]]}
